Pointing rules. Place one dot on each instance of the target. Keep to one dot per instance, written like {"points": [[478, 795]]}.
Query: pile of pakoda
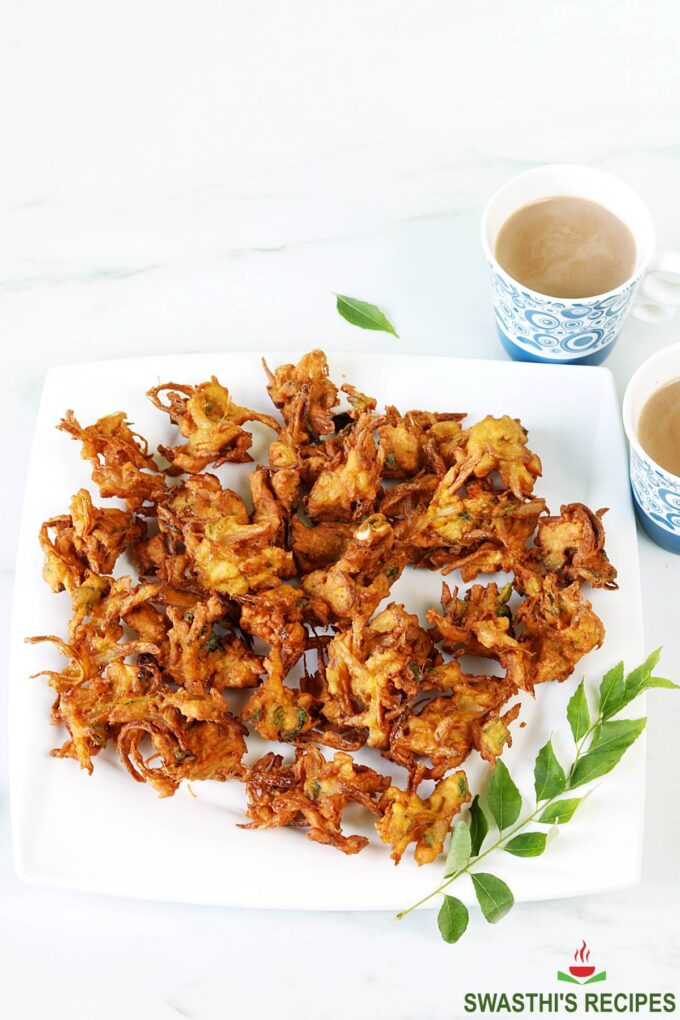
{"points": [[285, 597]]}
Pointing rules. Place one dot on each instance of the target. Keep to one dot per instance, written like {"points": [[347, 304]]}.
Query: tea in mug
{"points": [[659, 427], [566, 247]]}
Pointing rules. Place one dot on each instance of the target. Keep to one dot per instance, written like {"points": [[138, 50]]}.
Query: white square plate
{"points": [[108, 834]]}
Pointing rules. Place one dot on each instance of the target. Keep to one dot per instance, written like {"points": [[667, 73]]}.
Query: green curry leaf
{"points": [[505, 800], [363, 314], [526, 844], [578, 713], [460, 846], [452, 919], [493, 896], [479, 826], [560, 812], [610, 742], [549, 777]]}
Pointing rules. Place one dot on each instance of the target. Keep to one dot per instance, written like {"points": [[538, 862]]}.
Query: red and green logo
{"points": [[582, 972]]}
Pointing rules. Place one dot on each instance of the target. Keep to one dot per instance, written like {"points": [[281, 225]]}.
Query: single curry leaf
{"points": [[616, 735], [527, 844], [636, 679], [561, 811], [363, 314], [612, 691], [616, 691], [660, 681], [479, 826], [641, 679], [452, 919], [493, 896], [549, 777], [460, 846], [610, 742], [504, 798], [578, 713]]}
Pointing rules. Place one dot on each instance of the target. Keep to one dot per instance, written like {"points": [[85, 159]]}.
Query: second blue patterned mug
{"points": [[656, 492], [577, 331]]}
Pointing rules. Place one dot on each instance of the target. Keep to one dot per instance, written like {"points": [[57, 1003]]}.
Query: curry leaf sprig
{"points": [[600, 743]]}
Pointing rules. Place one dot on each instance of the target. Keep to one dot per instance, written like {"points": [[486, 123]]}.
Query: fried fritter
{"points": [[500, 444], [478, 624], [288, 453], [372, 669], [182, 519], [202, 656], [276, 616], [572, 546], [559, 628], [88, 540], [199, 500], [312, 792], [266, 508], [318, 545], [447, 729], [96, 630], [309, 376], [233, 558], [85, 710], [361, 578], [405, 500], [276, 711], [359, 403], [419, 441], [463, 522], [211, 423], [194, 738], [407, 818], [120, 459], [347, 489]]}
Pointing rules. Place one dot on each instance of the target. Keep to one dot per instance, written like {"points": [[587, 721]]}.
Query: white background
{"points": [[200, 176]]}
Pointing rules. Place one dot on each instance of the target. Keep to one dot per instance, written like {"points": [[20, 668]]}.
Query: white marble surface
{"points": [[201, 176]]}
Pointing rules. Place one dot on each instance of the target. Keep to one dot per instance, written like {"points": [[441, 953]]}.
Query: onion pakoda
{"points": [[273, 616]]}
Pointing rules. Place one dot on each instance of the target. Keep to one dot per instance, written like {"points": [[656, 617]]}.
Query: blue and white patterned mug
{"points": [[579, 331], [656, 492]]}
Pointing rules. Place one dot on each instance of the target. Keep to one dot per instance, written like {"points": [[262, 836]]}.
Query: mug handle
{"points": [[659, 293]]}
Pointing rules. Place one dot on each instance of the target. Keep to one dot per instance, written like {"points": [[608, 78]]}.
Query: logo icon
{"points": [[581, 971]]}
